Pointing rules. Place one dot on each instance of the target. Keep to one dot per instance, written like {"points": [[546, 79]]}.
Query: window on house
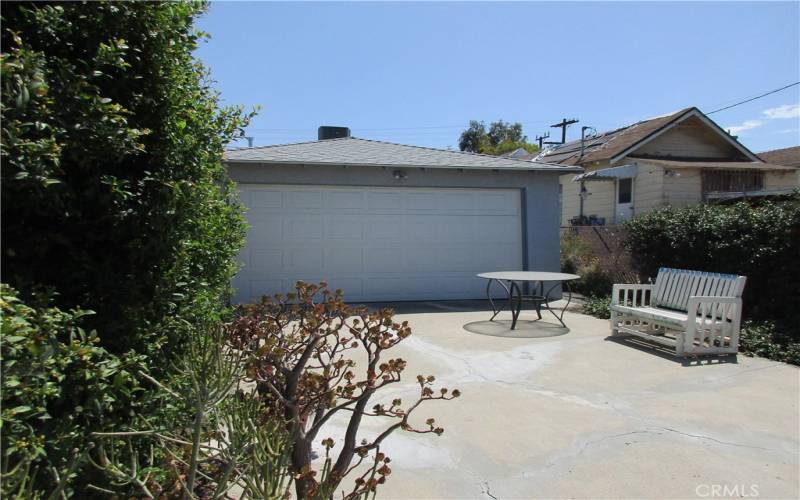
{"points": [[732, 181], [625, 191]]}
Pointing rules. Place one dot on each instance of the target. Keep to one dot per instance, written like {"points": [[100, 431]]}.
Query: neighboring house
{"points": [[679, 159], [789, 157], [386, 221]]}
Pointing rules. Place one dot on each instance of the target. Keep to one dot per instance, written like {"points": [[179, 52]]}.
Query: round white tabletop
{"points": [[528, 276]]}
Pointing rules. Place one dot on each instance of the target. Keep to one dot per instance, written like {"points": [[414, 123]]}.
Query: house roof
{"points": [[785, 156], [720, 165], [614, 144], [352, 151]]}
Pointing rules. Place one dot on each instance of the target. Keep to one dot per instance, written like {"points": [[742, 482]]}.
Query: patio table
{"points": [[510, 280]]}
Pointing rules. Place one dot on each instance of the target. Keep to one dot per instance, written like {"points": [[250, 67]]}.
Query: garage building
{"points": [[390, 222]]}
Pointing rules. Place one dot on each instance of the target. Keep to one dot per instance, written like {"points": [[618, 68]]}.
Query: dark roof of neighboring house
{"points": [[608, 145], [353, 151], [786, 156]]}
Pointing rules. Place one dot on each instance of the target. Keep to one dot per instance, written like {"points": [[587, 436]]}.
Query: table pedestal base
{"points": [[515, 297]]}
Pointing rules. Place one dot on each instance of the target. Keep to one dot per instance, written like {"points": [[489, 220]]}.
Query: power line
{"points": [[386, 129], [754, 98]]}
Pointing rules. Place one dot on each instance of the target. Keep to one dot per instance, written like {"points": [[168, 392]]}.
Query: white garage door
{"points": [[378, 244]]}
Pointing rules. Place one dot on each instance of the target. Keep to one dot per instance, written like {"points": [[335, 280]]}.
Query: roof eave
{"points": [[523, 167]]}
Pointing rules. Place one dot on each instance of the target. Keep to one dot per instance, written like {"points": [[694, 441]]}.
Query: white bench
{"points": [[692, 311]]}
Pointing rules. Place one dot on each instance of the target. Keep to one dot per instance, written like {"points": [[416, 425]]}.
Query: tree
{"points": [[501, 131], [114, 200], [471, 138], [113, 190], [502, 137], [302, 351]]}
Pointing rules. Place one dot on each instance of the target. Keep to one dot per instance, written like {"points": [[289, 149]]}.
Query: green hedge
{"points": [[58, 385], [114, 193], [760, 241]]}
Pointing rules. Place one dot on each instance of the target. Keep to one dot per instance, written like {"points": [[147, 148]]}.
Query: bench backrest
{"points": [[673, 287]]}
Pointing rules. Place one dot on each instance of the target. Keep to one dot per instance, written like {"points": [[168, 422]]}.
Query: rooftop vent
{"points": [[327, 132]]}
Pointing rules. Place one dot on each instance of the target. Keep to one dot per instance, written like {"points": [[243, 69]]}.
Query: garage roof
{"points": [[354, 151]]}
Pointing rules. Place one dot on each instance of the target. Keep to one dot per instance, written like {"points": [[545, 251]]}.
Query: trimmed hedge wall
{"points": [[760, 241]]}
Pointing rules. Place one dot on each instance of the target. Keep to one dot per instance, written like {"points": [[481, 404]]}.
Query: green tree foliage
{"points": [[113, 189], [114, 200], [501, 138], [760, 241], [57, 383]]}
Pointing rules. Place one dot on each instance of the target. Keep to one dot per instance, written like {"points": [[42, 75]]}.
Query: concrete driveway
{"points": [[580, 416]]}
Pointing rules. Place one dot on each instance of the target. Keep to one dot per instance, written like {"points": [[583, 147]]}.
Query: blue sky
{"points": [[416, 73]]}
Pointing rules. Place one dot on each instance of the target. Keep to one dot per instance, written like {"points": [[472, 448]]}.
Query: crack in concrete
{"points": [[486, 491], [584, 446], [709, 438]]}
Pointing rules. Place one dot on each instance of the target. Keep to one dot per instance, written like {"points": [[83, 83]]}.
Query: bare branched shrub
{"points": [[302, 351]]}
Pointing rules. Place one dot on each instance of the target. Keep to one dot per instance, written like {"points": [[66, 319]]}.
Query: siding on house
{"points": [[648, 189], [683, 189], [782, 180], [689, 139], [600, 201]]}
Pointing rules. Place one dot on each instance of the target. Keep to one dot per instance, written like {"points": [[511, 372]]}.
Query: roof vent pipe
{"points": [[328, 132]]}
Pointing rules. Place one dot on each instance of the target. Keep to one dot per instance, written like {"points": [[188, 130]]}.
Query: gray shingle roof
{"points": [[354, 151]]}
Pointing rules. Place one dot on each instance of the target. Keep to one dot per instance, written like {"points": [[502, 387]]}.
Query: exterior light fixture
{"points": [[399, 174]]}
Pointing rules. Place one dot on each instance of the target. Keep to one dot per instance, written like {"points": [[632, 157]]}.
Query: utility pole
{"points": [[540, 138], [563, 126]]}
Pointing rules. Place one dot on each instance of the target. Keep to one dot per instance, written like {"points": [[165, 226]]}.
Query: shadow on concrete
{"points": [[524, 329], [665, 352]]}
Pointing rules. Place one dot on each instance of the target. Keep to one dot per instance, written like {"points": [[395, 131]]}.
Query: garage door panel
{"points": [[264, 232], [423, 258], [259, 288], [421, 229], [266, 198], [459, 201], [350, 260], [382, 228], [304, 199], [455, 259], [348, 228], [353, 288], [344, 200], [497, 229], [378, 244], [303, 259], [501, 257], [381, 259], [496, 204], [266, 260], [450, 230], [384, 200], [303, 227], [425, 200]]}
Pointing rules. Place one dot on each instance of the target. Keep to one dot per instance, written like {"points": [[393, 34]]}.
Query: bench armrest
{"points": [[729, 308], [633, 294]]}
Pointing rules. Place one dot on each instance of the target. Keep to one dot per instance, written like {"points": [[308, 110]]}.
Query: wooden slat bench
{"points": [[692, 311]]}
